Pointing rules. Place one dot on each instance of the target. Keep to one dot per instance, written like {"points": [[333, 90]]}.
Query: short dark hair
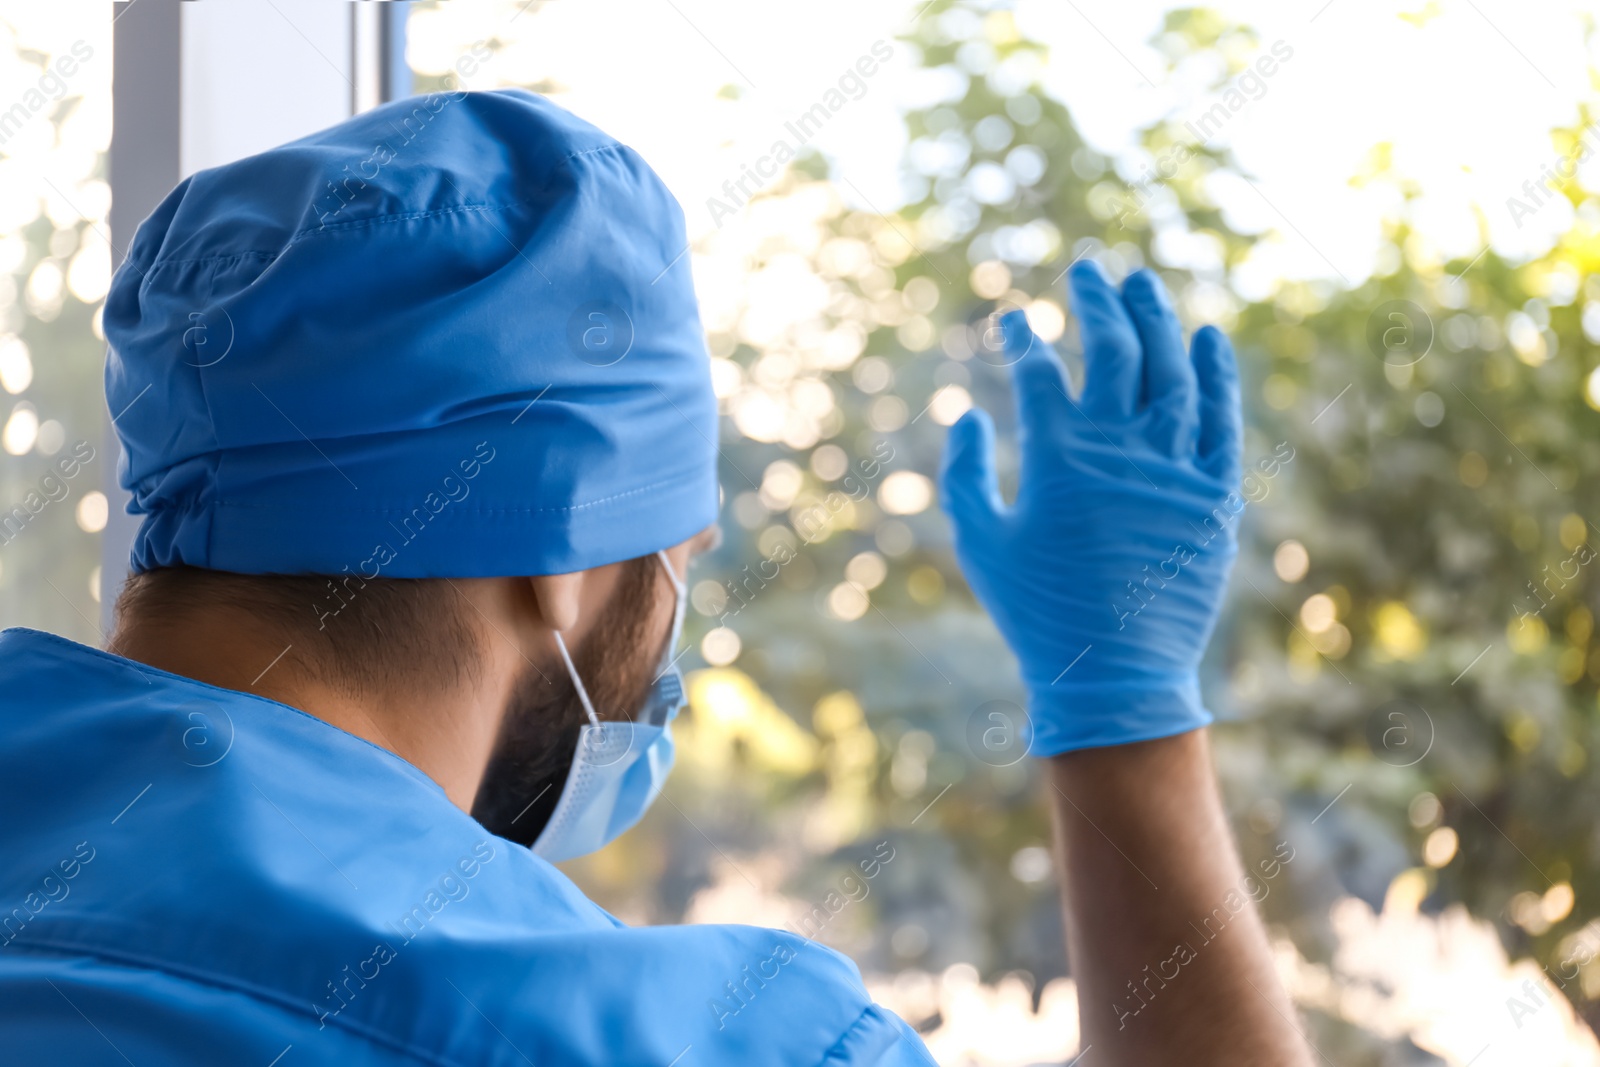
{"points": [[362, 636]]}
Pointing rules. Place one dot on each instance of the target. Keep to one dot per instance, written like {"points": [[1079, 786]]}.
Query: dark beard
{"points": [[539, 735]]}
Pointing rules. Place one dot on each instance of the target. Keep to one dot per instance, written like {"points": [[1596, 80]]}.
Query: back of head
{"points": [[454, 336]]}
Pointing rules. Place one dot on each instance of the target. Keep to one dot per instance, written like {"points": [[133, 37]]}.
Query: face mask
{"points": [[619, 767]]}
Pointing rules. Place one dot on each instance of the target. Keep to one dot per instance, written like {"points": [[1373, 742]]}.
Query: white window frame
{"points": [[199, 84]]}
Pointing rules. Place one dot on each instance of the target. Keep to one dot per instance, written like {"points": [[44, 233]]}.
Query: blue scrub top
{"points": [[198, 876]]}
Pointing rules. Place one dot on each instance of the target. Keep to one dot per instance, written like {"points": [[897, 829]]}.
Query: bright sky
{"points": [[1466, 90]]}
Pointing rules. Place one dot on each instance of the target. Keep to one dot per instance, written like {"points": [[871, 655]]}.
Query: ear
{"points": [[558, 597]]}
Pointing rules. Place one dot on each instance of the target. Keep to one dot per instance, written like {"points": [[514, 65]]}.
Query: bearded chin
{"points": [[544, 716], [531, 759]]}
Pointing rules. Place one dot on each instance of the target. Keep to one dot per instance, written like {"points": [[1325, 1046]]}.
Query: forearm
{"points": [[1171, 967], [1076, 573]]}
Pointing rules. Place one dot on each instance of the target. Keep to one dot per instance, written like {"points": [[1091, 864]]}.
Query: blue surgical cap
{"points": [[454, 336]]}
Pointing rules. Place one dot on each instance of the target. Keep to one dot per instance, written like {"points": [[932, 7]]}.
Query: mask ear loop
{"points": [[566, 657], [577, 683], [677, 620], [672, 576]]}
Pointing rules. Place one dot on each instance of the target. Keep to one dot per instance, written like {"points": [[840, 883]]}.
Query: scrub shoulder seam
{"points": [[832, 1056], [111, 658], [271, 998]]}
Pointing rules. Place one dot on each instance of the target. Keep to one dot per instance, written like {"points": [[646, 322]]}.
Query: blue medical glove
{"points": [[1107, 573]]}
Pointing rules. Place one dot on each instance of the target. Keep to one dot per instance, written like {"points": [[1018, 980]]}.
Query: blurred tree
{"points": [[1415, 619], [1409, 664], [55, 266]]}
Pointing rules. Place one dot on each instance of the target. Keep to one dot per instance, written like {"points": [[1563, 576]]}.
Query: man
{"points": [[418, 499]]}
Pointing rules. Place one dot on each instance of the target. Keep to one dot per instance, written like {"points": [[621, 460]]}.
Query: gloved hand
{"points": [[1107, 573]]}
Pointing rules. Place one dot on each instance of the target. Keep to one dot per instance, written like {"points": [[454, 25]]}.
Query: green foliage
{"points": [[1427, 496], [46, 568]]}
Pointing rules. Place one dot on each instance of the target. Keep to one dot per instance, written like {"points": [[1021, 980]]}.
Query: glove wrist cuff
{"points": [[1064, 718]]}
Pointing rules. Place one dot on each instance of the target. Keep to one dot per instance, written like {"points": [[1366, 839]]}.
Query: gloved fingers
{"points": [[1169, 378], [1220, 421], [1113, 378], [969, 490], [1038, 384]]}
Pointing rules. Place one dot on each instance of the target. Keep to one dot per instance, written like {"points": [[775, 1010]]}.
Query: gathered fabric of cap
{"points": [[454, 336]]}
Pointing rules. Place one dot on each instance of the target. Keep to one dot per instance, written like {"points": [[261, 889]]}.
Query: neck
{"points": [[448, 734]]}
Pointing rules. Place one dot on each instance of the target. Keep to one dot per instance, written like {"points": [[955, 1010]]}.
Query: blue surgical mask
{"points": [[619, 767]]}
